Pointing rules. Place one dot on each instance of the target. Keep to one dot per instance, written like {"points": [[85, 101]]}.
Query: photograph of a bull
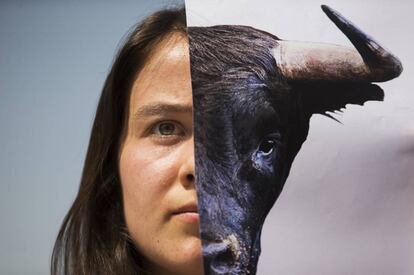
{"points": [[254, 95]]}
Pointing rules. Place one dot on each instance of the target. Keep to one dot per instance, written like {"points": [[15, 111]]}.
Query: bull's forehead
{"points": [[235, 114], [243, 94], [227, 53]]}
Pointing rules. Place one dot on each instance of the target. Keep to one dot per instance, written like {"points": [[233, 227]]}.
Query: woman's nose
{"points": [[187, 169]]}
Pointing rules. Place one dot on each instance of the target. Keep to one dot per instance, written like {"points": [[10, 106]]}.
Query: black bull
{"points": [[253, 98]]}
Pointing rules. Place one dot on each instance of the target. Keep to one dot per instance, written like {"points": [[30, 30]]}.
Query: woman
{"points": [[136, 209]]}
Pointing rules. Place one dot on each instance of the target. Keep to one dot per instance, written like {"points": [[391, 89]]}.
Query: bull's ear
{"points": [[323, 97]]}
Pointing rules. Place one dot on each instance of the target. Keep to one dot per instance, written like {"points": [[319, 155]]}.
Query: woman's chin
{"points": [[185, 258], [190, 259], [191, 249]]}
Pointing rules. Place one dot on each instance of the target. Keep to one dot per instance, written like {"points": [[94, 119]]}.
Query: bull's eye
{"points": [[267, 146], [265, 155]]}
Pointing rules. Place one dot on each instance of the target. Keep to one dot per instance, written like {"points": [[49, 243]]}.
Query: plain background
{"points": [[348, 205], [54, 58]]}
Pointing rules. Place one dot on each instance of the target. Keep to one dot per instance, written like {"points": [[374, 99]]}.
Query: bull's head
{"points": [[253, 97]]}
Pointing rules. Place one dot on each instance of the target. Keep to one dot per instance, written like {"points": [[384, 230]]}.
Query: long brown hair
{"points": [[93, 238]]}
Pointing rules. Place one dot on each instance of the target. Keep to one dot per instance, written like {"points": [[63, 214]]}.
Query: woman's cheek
{"points": [[141, 191], [147, 173], [151, 168]]}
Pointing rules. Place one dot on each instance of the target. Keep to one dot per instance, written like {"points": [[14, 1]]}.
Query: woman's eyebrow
{"points": [[162, 108]]}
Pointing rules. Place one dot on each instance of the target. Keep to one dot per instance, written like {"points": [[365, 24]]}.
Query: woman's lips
{"points": [[187, 213], [188, 217]]}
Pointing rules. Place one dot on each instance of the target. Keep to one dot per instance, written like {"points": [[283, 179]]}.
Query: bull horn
{"points": [[304, 61]]}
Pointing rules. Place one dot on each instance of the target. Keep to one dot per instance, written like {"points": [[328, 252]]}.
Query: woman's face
{"points": [[157, 164]]}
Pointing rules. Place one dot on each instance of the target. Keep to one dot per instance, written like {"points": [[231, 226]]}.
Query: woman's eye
{"points": [[167, 128]]}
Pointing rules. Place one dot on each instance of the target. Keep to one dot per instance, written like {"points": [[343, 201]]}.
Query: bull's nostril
{"points": [[222, 257], [223, 261]]}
